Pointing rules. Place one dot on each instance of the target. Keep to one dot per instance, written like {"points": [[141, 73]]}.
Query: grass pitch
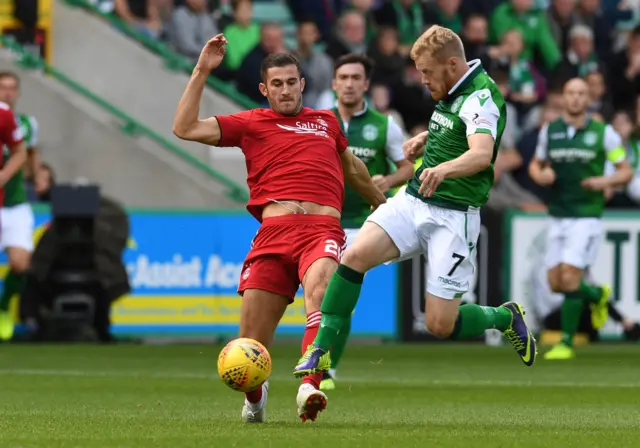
{"points": [[437, 395]]}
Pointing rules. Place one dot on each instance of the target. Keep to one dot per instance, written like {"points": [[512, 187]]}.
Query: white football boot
{"points": [[256, 412], [310, 402]]}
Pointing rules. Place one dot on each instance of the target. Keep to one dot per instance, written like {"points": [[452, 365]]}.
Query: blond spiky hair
{"points": [[439, 42]]}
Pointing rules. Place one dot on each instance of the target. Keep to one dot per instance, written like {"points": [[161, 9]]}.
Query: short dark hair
{"points": [[10, 75], [235, 4], [500, 76], [278, 60], [355, 58], [474, 16]]}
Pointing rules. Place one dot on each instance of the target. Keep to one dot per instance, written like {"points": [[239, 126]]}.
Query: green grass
{"points": [[437, 395]]}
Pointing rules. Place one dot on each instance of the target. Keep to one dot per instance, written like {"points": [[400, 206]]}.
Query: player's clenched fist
{"points": [[431, 178], [212, 53], [413, 147]]}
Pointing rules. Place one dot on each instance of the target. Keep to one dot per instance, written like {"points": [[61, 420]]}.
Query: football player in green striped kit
{"points": [[570, 158], [16, 216], [376, 140]]}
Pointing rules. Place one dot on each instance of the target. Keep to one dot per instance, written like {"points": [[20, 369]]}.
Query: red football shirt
{"points": [[288, 157], [10, 133]]}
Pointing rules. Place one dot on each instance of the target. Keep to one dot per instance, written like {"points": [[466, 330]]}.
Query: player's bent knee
{"points": [[439, 326], [570, 278], [19, 261], [261, 312], [372, 247], [553, 277]]}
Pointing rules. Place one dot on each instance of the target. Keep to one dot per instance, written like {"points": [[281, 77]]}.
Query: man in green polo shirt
{"points": [[374, 138], [16, 216], [534, 26]]}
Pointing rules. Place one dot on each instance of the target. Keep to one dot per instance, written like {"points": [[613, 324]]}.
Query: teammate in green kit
{"points": [[570, 159], [439, 212], [16, 216], [375, 139]]}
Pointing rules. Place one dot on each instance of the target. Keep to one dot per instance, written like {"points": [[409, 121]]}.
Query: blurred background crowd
{"points": [[529, 47]]}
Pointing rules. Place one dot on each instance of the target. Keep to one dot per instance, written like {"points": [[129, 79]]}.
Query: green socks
{"points": [[13, 284], [339, 301], [570, 314], [338, 348], [572, 307], [473, 320], [589, 293]]}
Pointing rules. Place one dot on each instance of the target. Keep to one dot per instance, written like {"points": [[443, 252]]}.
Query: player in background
{"points": [[376, 140], [296, 167], [570, 159], [16, 216], [439, 212]]}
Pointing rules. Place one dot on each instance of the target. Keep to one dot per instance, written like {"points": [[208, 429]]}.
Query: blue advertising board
{"points": [[184, 269]]}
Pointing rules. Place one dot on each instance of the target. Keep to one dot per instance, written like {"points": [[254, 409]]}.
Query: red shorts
{"points": [[285, 247]]}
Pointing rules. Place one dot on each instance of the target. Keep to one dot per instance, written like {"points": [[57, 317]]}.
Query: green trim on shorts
{"points": [[466, 239]]}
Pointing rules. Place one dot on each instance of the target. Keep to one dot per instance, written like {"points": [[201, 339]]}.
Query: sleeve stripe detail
{"points": [[616, 155]]}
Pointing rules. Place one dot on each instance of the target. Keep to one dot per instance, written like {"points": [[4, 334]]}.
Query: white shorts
{"points": [[16, 227], [351, 235], [573, 241], [446, 237]]}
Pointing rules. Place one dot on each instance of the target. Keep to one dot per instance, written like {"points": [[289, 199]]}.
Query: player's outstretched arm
{"points": [[187, 124], [357, 177]]}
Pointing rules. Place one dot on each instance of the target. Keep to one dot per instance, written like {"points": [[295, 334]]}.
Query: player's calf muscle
{"points": [[261, 313]]}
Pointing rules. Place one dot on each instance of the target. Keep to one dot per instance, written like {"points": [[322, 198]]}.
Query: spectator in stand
{"points": [[511, 128], [365, 9], [191, 28], [243, 35], [562, 17], [527, 148], [412, 99], [248, 76], [581, 59], [381, 101], [525, 90], [625, 73], [600, 101], [407, 16], [389, 62], [534, 26], [629, 196], [324, 11], [474, 37], [602, 22], [444, 13], [142, 15], [349, 36], [317, 66]]}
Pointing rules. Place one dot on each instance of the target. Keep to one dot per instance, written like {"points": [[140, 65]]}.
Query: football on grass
{"points": [[244, 364]]}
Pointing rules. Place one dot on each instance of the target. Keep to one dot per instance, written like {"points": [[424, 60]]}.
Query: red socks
{"points": [[313, 323], [255, 396]]}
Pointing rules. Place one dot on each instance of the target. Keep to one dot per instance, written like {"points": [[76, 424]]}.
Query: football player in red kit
{"points": [[296, 163]]}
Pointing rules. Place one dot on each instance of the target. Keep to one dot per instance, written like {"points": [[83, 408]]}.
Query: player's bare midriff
{"points": [[290, 207]]}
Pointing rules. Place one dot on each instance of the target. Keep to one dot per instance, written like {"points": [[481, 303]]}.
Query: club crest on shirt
{"points": [[369, 132], [590, 138]]}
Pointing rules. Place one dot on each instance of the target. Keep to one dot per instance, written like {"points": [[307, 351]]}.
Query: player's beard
{"points": [[291, 112]]}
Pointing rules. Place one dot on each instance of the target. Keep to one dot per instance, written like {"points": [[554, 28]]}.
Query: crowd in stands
{"points": [[529, 47]]}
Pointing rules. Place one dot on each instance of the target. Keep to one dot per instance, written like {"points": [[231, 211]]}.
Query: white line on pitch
{"points": [[346, 380]]}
